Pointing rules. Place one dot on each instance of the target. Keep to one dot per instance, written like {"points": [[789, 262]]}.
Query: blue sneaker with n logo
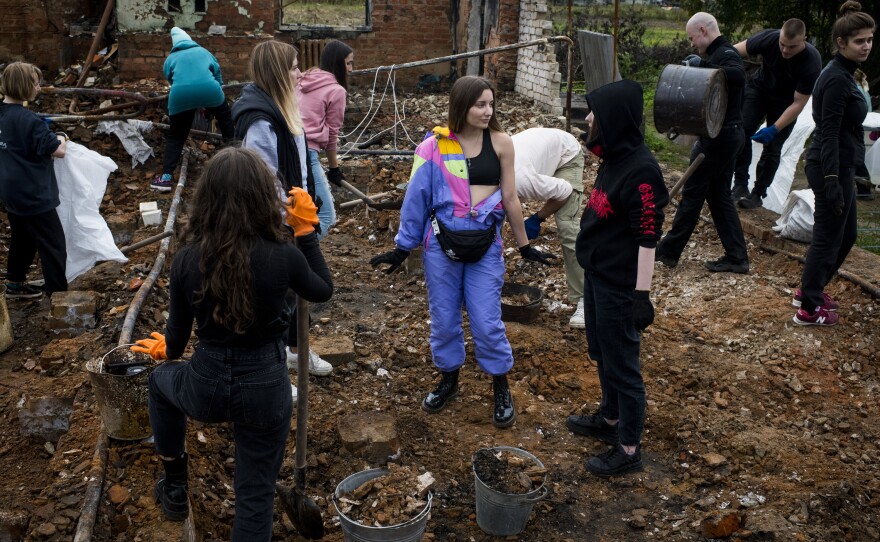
{"points": [[162, 183]]}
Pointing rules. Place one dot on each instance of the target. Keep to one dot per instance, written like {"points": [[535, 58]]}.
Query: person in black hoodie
{"points": [[620, 228], [267, 120], [711, 181], [838, 147]]}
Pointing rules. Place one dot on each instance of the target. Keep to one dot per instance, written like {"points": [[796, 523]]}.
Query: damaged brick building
{"points": [[57, 34]]}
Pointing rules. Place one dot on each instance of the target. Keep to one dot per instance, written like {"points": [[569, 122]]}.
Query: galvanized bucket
{"points": [[690, 101], [506, 514], [122, 399]]}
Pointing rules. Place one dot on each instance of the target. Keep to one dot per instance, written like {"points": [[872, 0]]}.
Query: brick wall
{"points": [[501, 67], [537, 76], [37, 32]]}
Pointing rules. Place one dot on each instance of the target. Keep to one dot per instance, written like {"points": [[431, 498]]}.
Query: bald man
{"points": [[779, 92], [711, 181]]}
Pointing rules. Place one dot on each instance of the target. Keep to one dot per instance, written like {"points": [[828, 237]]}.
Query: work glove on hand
{"points": [[395, 258], [834, 195], [765, 135], [693, 61], [334, 175], [154, 347], [643, 310], [302, 214], [529, 253], [533, 226]]}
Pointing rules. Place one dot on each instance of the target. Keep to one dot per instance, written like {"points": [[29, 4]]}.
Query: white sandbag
{"points": [[791, 153], [796, 221], [82, 179]]}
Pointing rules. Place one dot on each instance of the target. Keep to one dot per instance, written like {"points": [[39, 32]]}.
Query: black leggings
{"points": [[180, 126], [41, 234]]}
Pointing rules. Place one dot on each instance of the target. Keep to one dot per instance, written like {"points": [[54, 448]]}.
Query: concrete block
{"points": [[73, 312], [148, 206], [152, 218], [371, 436], [334, 349]]}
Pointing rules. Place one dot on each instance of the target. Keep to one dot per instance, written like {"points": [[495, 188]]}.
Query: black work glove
{"points": [[529, 253], [395, 258], [834, 195], [643, 310], [693, 61], [334, 175]]}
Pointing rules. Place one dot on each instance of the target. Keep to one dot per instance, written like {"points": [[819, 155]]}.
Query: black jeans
{"points": [[249, 387], [711, 184], [758, 105], [833, 236], [613, 343], [41, 234], [179, 131]]}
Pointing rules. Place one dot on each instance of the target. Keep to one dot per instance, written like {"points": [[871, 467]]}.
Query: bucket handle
{"points": [[101, 365], [540, 496]]}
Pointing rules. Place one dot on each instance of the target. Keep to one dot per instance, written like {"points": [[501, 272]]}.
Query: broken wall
{"points": [[537, 74], [38, 32]]}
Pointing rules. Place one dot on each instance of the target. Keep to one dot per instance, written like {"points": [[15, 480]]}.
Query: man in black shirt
{"points": [[779, 92], [711, 181]]}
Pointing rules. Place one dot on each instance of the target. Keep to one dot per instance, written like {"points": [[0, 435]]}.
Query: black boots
{"points": [[446, 390], [171, 489], [505, 412]]}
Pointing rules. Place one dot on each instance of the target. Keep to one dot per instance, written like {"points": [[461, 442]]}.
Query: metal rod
{"points": [[481, 52], [108, 9], [356, 202], [147, 241], [92, 498], [569, 74]]}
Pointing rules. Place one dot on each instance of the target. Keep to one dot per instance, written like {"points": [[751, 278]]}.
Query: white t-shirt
{"points": [[539, 152]]}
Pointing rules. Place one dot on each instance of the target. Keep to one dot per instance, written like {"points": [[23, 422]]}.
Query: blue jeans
{"points": [[249, 387], [327, 214], [613, 343]]}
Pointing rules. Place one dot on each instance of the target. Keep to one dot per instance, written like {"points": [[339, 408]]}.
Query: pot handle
{"points": [[542, 495]]}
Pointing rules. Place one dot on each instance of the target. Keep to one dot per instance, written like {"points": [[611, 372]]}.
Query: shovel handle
{"points": [[348, 186], [302, 383], [687, 175]]}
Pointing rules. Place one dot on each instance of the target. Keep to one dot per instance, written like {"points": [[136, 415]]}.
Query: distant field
{"points": [[345, 14]]}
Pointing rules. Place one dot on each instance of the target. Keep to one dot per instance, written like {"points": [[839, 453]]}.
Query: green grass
{"points": [[868, 212], [662, 34], [347, 13]]}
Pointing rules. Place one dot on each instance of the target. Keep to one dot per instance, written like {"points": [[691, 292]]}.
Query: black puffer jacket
{"points": [[625, 208]]}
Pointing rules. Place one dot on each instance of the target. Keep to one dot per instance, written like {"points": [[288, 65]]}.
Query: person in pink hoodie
{"points": [[321, 94]]}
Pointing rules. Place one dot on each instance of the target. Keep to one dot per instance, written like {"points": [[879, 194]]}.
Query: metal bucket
{"points": [[6, 338], [505, 514], [410, 531], [122, 399], [525, 313], [690, 101]]}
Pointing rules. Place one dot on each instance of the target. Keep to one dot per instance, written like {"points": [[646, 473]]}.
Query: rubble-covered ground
{"points": [[751, 420]]}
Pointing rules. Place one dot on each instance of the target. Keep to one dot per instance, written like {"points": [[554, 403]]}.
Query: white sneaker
{"points": [[294, 392], [577, 319], [317, 366]]}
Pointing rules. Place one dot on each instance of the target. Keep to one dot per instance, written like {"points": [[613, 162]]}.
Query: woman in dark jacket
{"points": [[230, 278], [837, 150]]}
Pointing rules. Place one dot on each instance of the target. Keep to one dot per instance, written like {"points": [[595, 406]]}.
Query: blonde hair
{"points": [[18, 81], [271, 62]]}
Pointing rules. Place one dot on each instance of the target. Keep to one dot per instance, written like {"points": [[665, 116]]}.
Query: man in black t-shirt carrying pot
{"points": [[779, 92]]}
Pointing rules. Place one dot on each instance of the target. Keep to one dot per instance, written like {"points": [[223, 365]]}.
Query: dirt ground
{"points": [[747, 413]]}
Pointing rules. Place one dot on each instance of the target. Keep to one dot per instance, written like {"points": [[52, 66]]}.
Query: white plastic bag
{"points": [[796, 221], [82, 178]]}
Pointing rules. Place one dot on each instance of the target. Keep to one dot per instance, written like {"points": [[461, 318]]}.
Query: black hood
{"points": [[618, 110]]}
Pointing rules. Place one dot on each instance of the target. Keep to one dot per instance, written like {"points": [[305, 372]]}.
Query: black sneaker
{"points": [[739, 192], [668, 261], [615, 462], [22, 290], [727, 265], [751, 201], [593, 425]]}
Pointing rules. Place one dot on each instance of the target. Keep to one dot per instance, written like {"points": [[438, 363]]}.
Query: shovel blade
{"points": [[304, 513]]}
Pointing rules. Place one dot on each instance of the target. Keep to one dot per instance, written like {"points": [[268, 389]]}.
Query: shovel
{"points": [[687, 175], [366, 199], [302, 511]]}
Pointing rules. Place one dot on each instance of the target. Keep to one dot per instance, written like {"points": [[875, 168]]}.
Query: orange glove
{"points": [[155, 347], [302, 214]]}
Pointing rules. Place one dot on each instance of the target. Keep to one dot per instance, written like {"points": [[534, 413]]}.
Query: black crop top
{"points": [[485, 168]]}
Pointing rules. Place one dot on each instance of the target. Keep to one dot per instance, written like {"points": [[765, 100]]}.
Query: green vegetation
{"points": [[335, 13]]}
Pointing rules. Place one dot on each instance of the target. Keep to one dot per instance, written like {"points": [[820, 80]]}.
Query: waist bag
{"points": [[466, 246]]}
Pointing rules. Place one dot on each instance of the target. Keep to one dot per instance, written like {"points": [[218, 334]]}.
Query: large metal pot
{"points": [[690, 101]]}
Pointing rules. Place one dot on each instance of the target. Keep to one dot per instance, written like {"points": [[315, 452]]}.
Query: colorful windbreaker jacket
{"points": [[625, 208], [439, 182]]}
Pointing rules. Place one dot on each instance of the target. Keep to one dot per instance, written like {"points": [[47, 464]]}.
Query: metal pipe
{"points": [[89, 510], [147, 241], [481, 52], [108, 9]]}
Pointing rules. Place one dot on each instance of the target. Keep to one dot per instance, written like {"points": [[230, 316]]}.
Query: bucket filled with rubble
{"points": [[509, 481], [120, 382], [384, 505]]}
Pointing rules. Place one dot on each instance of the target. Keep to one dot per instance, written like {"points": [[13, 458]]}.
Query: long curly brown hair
{"points": [[235, 204]]}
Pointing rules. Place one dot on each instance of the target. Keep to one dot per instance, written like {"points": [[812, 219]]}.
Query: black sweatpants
{"points": [[41, 234], [180, 126], [833, 235], [757, 106]]}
